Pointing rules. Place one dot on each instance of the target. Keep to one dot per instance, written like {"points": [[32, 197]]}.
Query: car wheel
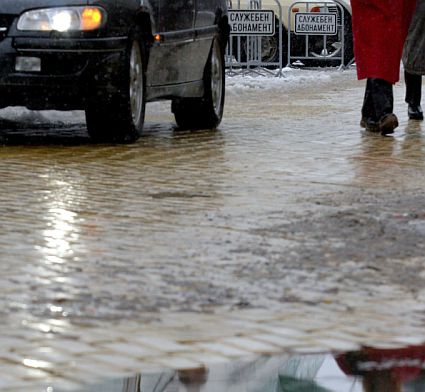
{"points": [[120, 117], [206, 111], [269, 46], [323, 55]]}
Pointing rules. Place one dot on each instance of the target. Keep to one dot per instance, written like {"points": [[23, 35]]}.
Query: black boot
{"points": [[413, 95], [377, 110], [415, 112]]}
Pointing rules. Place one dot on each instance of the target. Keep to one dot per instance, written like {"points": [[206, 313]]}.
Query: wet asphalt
{"points": [[288, 202]]}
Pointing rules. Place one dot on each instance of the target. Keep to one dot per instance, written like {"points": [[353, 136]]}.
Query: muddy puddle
{"points": [[287, 217], [368, 370]]}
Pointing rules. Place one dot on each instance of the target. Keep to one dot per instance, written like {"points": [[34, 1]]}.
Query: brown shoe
{"points": [[363, 122], [388, 123]]}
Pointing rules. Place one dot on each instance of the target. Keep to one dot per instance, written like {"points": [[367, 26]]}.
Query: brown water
{"points": [[288, 204]]}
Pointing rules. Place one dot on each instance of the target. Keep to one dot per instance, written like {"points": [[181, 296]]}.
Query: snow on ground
{"points": [[235, 84], [21, 114], [290, 78]]}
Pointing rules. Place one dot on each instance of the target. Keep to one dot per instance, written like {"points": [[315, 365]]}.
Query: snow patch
{"points": [[21, 114], [258, 79], [290, 78]]}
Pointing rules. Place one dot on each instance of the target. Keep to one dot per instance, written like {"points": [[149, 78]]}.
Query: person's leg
{"points": [[368, 111], [383, 100], [382, 96], [377, 110], [413, 95]]}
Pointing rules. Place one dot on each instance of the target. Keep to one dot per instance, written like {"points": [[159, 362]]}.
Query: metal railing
{"points": [[251, 53], [321, 41], [245, 53]]}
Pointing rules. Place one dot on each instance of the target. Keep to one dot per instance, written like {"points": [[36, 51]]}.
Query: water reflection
{"points": [[413, 143], [390, 161], [59, 234], [282, 373], [366, 370], [87, 217], [387, 370]]}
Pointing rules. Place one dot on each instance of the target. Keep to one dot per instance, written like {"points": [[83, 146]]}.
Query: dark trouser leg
{"points": [[378, 100], [368, 113], [378, 104], [413, 88], [413, 95], [382, 97]]}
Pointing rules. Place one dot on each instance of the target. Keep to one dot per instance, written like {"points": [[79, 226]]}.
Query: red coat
{"points": [[379, 30]]}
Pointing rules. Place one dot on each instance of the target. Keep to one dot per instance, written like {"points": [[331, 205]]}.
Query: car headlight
{"points": [[62, 19]]}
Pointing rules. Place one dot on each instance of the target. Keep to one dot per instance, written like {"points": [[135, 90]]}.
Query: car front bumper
{"points": [[70, 72]]}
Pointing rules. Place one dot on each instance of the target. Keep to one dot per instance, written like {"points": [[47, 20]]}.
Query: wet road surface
{"points": [[288, 216]]}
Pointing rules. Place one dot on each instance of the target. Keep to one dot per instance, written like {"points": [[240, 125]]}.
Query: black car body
{"points": [[109, 57]]}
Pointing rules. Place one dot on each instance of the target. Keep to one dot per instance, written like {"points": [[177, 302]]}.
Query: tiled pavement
{"points": [[69, 356], [107, 252]]}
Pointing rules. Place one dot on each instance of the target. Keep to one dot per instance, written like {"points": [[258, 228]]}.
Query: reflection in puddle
{"points": [[387, 370], [368, 370]]}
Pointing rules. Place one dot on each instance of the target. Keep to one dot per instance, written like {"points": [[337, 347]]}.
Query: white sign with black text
{"points": [[251, 22], [314, 23]]}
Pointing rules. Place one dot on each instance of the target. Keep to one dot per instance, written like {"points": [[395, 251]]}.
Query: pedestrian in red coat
{"points": [[379, 30]]}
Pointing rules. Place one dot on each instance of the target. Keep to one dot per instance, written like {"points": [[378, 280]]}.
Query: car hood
{"points": [[15, 7]]}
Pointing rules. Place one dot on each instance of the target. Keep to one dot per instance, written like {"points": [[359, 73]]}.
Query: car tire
{"points": [[269, 47], [207, 111], [120, 117]]}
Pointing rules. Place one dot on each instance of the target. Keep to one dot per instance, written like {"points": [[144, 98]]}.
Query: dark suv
{"points": [[110, 57]]}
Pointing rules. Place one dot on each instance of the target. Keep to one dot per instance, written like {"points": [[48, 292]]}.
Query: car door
{"points": [[176, 16], [206, 14], [173, 49]]}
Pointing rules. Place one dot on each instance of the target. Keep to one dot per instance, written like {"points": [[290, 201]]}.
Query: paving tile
{"points": [[33, 363], [177, 363], [337, 345], [6, 380], [51, 384], [288, 332], [8, 357], [87, 370], [92, 336], [120, 363], [48, 354], [222, 349], [410, 340], [161, 344], [134, 349], [251, 345], [12, 343], [207, 359], [71, 346], [32, 373], [339, 335], [311, 349], [278, 340]]}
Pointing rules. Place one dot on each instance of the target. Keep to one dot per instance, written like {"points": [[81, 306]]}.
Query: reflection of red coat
{"points": [[380, 29], [403, 363]]}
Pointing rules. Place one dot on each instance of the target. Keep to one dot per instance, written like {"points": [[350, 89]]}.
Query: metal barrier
{"points": [[332, 9], [245, 52]]}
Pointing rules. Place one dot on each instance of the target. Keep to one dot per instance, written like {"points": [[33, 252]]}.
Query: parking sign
{"points": [[251, 22], [314, 23]]}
